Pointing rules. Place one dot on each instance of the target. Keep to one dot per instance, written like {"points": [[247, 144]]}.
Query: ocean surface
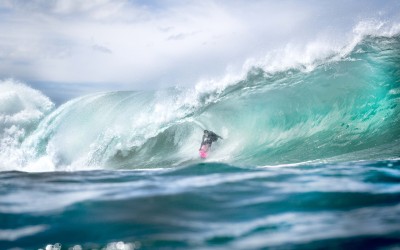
{"points": [[310, 160]]}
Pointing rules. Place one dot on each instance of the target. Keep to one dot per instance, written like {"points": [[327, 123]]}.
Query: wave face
{"points": [[346, 107]]}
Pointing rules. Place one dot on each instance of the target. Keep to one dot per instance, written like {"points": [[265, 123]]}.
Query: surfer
{"points": [[208, 138]]}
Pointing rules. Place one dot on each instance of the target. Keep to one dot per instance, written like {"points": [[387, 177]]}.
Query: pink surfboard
{"points": [[203, 151]]}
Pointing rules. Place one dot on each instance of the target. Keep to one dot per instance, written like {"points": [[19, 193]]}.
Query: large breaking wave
{"points": [[343, 106]]}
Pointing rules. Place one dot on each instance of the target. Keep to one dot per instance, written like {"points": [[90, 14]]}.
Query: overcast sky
{"points": [[68, 48]]}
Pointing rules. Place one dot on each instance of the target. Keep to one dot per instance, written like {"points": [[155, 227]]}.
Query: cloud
{"points": [[95, 9], [181, 36], [152, 44], [101, 49]]}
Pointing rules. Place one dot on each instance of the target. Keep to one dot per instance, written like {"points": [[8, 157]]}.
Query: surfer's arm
{"points": [[218, 137], [214, 136]]}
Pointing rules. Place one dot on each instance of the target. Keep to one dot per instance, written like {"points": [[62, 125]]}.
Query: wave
{"points": [[341, 106], [21, 110]]}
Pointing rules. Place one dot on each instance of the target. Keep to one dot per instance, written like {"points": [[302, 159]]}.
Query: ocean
{"points": [[310, 160]]}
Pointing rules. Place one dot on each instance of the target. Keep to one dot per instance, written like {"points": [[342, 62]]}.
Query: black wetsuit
{"points": [[209, 137]]}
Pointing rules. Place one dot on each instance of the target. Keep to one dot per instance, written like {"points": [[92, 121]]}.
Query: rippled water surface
{"points": [[354, 205]]}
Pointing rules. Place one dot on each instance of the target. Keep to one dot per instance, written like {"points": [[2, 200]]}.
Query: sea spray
{"points": [[21, 110]]}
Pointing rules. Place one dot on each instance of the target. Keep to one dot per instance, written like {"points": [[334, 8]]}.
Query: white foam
{"points": [[21, 109], [302, 56], [15, 234]]}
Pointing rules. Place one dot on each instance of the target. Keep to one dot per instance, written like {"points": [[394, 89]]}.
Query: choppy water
{"points": [[205, 206], [310, 159]]}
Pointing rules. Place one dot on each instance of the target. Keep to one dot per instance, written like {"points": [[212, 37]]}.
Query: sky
{"points": [[67, 48]]}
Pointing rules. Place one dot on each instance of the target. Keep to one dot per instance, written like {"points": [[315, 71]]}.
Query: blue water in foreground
{"points": [[310, 160], [205, 206]]}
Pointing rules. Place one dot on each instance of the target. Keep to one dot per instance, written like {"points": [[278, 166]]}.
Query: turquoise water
{"points": [[206, 206], [309, 160]]}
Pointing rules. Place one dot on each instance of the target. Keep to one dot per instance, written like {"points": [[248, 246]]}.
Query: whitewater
{"points": [[310, 158]]}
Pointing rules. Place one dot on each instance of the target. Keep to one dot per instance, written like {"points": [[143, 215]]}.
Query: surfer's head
{"points": [[205, 131]]}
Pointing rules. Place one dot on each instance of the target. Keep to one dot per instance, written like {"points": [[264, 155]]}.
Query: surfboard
{"points": [[203, 151]]}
